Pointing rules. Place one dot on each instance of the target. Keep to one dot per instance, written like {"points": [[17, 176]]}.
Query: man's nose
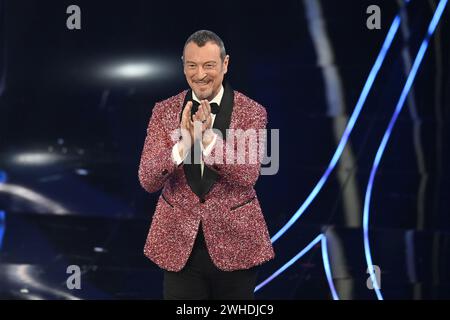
{"points": [[200, 73]]}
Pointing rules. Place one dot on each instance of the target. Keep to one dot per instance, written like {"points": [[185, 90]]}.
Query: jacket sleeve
{"points": [[156, 164], [232, 160]]}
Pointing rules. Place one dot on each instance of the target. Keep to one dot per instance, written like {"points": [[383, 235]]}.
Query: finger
{"points": [[198, 114], [200, 109], [191, 127], [187, 110], [200, 117], [208, 108], [205, 104], [207, 124], [207, 115], [187, 118], [183, 121]]}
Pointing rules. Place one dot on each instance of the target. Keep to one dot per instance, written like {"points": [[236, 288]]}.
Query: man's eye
{"points": [[209, 66]]}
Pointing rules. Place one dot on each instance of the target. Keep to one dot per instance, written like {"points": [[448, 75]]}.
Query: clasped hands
{"points": [[199, 127]]}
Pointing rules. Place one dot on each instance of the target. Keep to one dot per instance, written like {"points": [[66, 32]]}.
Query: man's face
{"points": [[204, 69]]}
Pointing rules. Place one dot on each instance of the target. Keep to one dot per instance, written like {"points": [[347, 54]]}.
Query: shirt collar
{"points": [[217, 99]]}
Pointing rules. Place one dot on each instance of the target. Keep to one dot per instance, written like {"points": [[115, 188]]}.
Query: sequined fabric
{"points": [[234, 228]]}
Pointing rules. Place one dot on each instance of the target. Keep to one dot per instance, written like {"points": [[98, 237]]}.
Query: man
{"points": [[208, 232]]}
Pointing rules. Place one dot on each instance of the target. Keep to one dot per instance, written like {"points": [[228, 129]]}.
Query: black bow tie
{"points": [[214, 107]]}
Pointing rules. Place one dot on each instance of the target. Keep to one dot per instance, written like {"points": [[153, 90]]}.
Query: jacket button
{"points": [[164, 172]]}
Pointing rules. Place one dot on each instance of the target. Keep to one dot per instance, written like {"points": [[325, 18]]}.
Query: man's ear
{"points": [[225, 63]]}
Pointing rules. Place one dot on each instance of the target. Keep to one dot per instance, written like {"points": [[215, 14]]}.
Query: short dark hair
{"points": [[201, 37]]}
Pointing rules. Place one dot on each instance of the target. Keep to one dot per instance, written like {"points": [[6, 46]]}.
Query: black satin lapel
{"points": [[223, 118], [191, 171], [221, 123]]}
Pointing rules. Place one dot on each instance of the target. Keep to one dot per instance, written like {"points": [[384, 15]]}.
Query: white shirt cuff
{"points": [[176, 155], [206, 151]]}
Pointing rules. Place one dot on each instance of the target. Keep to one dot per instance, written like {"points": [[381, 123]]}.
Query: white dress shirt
{"points": [[206, 151]]}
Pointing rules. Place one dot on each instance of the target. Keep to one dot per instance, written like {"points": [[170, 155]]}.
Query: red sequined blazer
{"points": [[223, 199]]}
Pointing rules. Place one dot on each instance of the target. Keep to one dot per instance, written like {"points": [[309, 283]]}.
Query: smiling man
{"points": [[205, 65], [208, 232]]}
